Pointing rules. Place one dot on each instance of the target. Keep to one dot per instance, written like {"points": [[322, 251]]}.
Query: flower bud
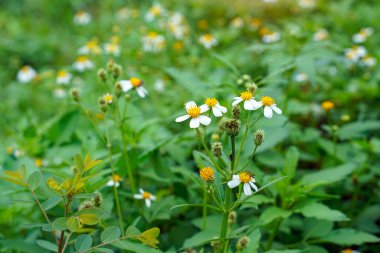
{"points": [[116, 71], [110, 65], [246, 77], [75, 94], [259, 137], [118, 89], [97, 200], [232, 127], [215, 137], [232, 217], [86, 204], [103, 108], [127, 97], [236, 112], [252, 87], [102, 74], [242, 243], [217, 149]]}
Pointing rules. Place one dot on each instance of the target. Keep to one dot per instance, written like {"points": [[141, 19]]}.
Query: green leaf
{"points": [[322, 212], [85, 195], [110, 234], [73, 224], [132, 230], [60, 224], [149, 237], [314, 228], [284, 251], [97, 211], [78, 163], [47, 245], [21, 246], [89, 219], [348, 236], [134, 247], [103, 250], [51, 202], [83, 242], [196, 205], [291, 162], [34, 180], [272, 213], [14, 181], [330, 175], [33, 225], [254, 244], [358, 129]]}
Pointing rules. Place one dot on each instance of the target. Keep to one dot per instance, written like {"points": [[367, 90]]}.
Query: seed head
{"points": [[116, 71], [259, 137], [217, 149], [242, 243], [232, 127], [236, 112], [232, 217], [75, 94], [102, 74]]}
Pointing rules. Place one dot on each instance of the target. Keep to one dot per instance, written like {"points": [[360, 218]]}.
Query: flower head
{"points": [[269, 106], [327, 105], [154, 12], [147, 196], [213, 104], [321, 34], [208, 41], [362, 35], [112, 48], [207, 174], [249, 101], [246, 179], [82, 18], [134, 83], [63, 77], [194, 112], [108, 98], [26, 74], [153, 42], [82, 63], [114, 181], [91, 47]]}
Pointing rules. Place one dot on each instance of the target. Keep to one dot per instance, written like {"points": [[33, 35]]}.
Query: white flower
{"points": [[246, 179], [176, 25], [90, 47], [123, 14], [134, 83], [154, 12], [108, 98], [26, 74], [271, 37], [249, 101], [362, 35], [301, 77], [213, 104], [368, 61], [147, 196], [306, 4], [321, 34], [59, 93], [355, 53], [237, 22], [63, 77], [269, 106], [208, 41], [82, 63], [82, 18], [194, 112], [153, 42], [112, 48], [114, 181], [159, 85]]}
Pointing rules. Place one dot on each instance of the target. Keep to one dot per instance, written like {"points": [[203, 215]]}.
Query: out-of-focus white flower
{"points": [[153, 42], [362, 35], [177, 25], [306, 4], [82, 18], [90, 47], [134, 83], [355, 53], [368, 61], [237, 23], [147, 196], [112, 48], [108, 98], [114, 181], [59, 93], [246, 179], [82, 63], [154, 12], [269, 106], [208, 41], [321, 34], [270, 1], [123, 14], [194, 112], [213, 104], [159, 85], [63, 77], [268, 36], [26, 74], [301, 77]]}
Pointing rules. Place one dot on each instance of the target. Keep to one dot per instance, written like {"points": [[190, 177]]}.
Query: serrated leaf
{"points": [[47, 245], [51, 202], [110, 234], [83, 242]]}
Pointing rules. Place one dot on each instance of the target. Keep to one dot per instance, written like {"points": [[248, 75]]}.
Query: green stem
{"points": [[204, 213], [92, 122], [273, 235], [244, 137]]}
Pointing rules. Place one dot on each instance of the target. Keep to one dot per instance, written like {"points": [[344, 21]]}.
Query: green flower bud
{"points": [[102, 74], [217, 149], [259, 137], [242, 243], [232, 127]]}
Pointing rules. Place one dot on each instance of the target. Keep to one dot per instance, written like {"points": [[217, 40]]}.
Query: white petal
{"points": [[137, 196], [221, 108], [110, 183], [194, 122], [268, 113], [248, 105], [236, 177], [152, 197], [190, 104], [233, 183], [117, 184], [141, 91], [204, 108], [276, 109], [148, 202], [141, 191], [253, 186], [247, 189], [182, 118], [257, 105], [204, 120], [216, 112], [237, 101], [126, 85]]}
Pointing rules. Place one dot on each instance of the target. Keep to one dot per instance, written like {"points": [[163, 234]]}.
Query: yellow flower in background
{"points": [[108, 98], [362, 35], [112, 48], [9, 150], [82, 18], [154, 12], [327, 105], [207, 174], [147, 196], [320, 35], [26, 74], [38, 162]]}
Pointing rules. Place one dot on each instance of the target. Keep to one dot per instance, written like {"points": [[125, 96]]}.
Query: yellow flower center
{"points": [[25, 69], [9, 150], [347, 251], [211, 102], [38, 162], [155, 10], [62, 73], [267, 101], [108, 98], [194, 111], [152, 35], [208, 37], [82, 59], [178, 46], [245, 177], [327, 105], [146, 195], [246, 95], [136, 82], [116, 178], [207, 174]]}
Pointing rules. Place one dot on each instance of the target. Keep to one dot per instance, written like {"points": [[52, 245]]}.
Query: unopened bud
{"points": [[118, 89], [259, 137], [252, 87], [97, 200], [236, 112], [75, 94], [232, 127], [103, 107], [242, 243], [232, 217], [86, 204], [217, 149], [102, 74], [110, 65], [116, 71], [246, 77], [127, 97]]}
